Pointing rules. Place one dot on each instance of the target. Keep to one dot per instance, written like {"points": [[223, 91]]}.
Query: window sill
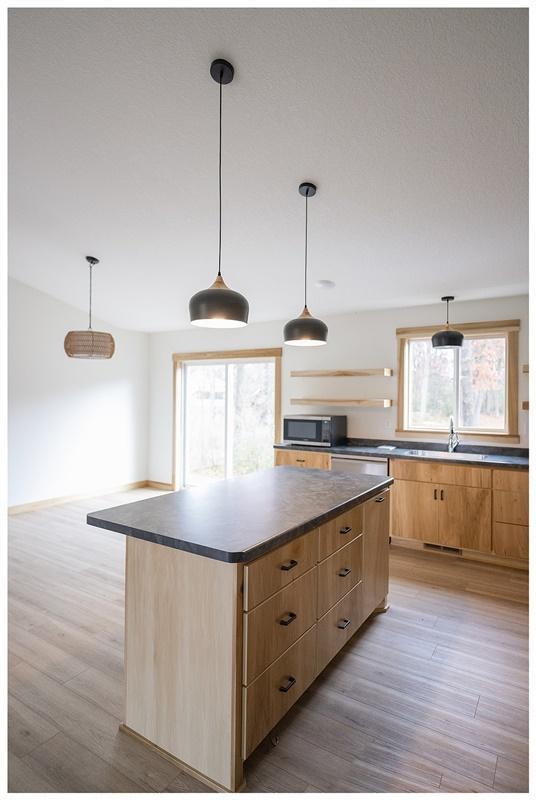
{"points": [[438, 434]]}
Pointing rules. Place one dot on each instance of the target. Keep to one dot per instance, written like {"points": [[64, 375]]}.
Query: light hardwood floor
{"points": [[431, 696]]}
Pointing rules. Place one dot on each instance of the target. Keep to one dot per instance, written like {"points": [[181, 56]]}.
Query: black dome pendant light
{"points": [[306, 330], [218, 306], [447, 337]]}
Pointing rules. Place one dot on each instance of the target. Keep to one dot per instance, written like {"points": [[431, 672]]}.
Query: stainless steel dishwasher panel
{"points": [[359, 465]]}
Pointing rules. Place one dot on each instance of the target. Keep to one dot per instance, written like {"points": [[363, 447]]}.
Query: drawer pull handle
{"points": [[288, 685], [441, 494], [342, 573], [289, 565], [288, 618], [301, 460], [379, 499], [435, 494], [343, 623], [346, 529]]}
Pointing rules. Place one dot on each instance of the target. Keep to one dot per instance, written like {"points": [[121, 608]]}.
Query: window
{"points": [[228, 415], [476, 384]]}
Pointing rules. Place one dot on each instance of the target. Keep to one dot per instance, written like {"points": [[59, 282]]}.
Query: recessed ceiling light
{"points": [[323, 284]]}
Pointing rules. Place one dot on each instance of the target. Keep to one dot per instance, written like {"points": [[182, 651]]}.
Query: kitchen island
{"points": [[238, 594]]}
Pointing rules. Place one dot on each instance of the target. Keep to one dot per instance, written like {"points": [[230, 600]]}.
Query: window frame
{"points": [[220, 356], [507, 328]]}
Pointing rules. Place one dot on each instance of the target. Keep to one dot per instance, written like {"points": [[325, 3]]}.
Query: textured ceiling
{"points": [[413, 123]]}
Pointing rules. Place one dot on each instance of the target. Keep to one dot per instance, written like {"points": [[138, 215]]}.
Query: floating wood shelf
{"points": [[318, 401], [525, 405], [525, 367], [340, 373]]}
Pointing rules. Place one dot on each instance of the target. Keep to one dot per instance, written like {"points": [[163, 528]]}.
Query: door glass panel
{"points": [[431, 394], [483, 383], [251, 416], [204, 424]]}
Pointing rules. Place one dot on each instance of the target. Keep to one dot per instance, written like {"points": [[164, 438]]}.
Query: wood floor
{"points": [[430, 697]]}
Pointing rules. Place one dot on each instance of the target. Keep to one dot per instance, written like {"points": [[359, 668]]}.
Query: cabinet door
{"points": [[415, 508], [301, 458], [464, 515], [375, 552]]}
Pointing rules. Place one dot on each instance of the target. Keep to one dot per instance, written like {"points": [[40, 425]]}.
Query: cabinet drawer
{"points": [[512, 507], [339, 573], [512, 480], [271, 695], [277, 623], [341, 530], [510, 540], [277, 569], [432, 472], [301, 458], [338, 625]]}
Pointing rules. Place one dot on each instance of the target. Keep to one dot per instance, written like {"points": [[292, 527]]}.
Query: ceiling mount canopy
{"points": [[90, 343], [447, 338], [306, 330], [218, 306]]}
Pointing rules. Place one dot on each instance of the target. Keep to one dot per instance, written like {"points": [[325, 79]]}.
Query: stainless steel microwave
{"points": [[325, 431]]}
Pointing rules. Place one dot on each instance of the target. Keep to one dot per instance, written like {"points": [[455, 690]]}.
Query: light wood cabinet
{"points": [[339, 532], [339, 625], [375, 552], [339, 573], [511, 507], [511, 541], [414, 513], [464, 518], [302, 458], [434, 472]]}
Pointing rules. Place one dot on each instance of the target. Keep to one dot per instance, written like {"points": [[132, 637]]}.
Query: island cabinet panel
{"points": [[338, 625], [277, 569], [339, 573], [339, 531], [183, 631], [433, 472], [302, 458], [277, 623], [376, 552], [511, 507], [464, 518], [414, 514], [271, 695]]}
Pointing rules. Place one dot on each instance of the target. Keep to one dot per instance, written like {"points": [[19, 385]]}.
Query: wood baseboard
{"points": [[469, 555], [165, 487], [176, 761], [73, 498]]}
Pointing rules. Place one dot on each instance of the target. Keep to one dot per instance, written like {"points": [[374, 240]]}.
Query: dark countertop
{"points": [[425, 451], [240, 519]]}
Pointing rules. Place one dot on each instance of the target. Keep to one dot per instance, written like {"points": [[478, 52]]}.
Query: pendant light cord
{"points": [[219, 179], [90, 291], [447, 313], [305, 260]]}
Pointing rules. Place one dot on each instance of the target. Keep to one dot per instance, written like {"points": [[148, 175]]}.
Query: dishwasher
{"points": [[357, 465]]}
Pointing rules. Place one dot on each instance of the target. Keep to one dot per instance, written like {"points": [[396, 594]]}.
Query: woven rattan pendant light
{"points": [[90, 343]]}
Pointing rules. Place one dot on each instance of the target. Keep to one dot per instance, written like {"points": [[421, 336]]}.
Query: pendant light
{"points": [[218, 306], [306, 330], [90, 343], [447, 338]]}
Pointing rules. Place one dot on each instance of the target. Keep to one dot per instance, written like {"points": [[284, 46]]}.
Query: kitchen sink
{"points": [[445, 454]]}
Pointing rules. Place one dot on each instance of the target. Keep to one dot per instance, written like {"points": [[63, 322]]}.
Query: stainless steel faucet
{"points": [[454, 439]]}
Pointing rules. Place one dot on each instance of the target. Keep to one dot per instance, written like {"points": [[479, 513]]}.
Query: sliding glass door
{"points": [[228, 419]]}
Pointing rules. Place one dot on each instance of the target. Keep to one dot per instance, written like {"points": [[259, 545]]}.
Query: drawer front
{"points": [[339, 573], [510, 540], [341, 530], [512, 480], [275, 570], [277, 623], [432, 472], [338, 625], [512, 507], [300, 458], [271, 695]]}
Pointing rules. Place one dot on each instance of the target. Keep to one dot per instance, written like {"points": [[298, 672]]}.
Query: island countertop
{"points": [[240, 519]]}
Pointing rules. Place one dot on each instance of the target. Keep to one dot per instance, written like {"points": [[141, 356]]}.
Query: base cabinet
{"points": [[414, 513], [302, 458]]}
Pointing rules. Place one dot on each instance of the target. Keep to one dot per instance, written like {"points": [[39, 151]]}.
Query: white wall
{"points": [[75, 426], [355, 340]]}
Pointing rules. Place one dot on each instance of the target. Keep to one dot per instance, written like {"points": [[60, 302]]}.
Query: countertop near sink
{"points": [[479, 455]]}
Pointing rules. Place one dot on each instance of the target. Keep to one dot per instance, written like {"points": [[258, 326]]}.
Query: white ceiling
{"points": [[413, 123]]}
